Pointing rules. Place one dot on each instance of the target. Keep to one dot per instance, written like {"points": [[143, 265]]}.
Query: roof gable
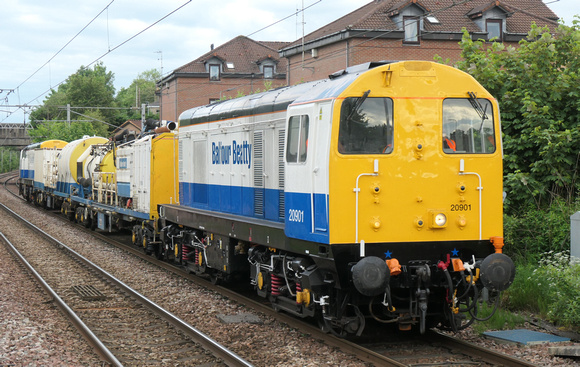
{"points": [[398, 7], [478, 11], [452, 16], [241, 52]]}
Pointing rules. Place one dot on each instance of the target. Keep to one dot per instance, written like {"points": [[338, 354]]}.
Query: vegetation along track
{"points": [[124, 327], [396, 349]]}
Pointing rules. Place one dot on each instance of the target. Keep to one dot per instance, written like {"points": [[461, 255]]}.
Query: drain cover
{"points": [[88, 292]]}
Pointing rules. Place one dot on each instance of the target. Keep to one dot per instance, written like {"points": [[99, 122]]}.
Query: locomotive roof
{"points": [[275, 100]]}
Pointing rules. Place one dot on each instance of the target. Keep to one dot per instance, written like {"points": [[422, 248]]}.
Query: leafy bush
{"points": [[551, 288], [536, 231], [537, 85]]}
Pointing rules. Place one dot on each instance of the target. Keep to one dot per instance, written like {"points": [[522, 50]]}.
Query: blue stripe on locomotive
{"points": [[241, 201], [299, 221], [230, 199], [27, 173]]}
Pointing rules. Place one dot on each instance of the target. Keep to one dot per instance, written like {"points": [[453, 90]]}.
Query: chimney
{"points": [[211, 47]]}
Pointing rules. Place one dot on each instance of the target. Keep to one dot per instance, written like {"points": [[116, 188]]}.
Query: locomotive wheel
{"points": [[87, 221], [93, 222], [136, 236], [214, 278], [145, 244], [159, 252]]}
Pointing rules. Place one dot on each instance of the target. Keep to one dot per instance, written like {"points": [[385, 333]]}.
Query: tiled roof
{"points": [[452, 16], [130, 125], [241, 52]]}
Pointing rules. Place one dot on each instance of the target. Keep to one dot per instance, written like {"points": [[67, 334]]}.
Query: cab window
{"points": [[297, 144], [468, 126], [366, 125]]}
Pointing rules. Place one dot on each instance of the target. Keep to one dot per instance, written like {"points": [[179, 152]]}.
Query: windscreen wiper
{"points": [[358, 103], [477, 106]]}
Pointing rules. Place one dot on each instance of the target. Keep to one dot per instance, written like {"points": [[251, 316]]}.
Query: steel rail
{"points": [[218, 350], [344, 345], [83, 329], [487, 355]]}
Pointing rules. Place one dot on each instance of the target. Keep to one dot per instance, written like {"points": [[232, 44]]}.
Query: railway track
{"points": [[433, 349], [123, 326]]}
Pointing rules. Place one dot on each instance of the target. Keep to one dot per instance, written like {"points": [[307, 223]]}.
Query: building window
{"points": [[411, 27], [494, 29], [268, 71], [214, 72]]}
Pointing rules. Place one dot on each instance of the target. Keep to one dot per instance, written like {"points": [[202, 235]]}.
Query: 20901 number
{"points": [[460, 207], [296, 215]]}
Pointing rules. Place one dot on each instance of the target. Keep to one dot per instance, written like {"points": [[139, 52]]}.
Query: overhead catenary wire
{"points": [[123, 43], [100, 57], [68, 43]]}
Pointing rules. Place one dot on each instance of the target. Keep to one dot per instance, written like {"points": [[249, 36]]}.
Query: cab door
{"points": [[306, 171]]}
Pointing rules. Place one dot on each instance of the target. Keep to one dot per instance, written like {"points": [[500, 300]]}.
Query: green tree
{"points": [[48, 130], [92, 88], [89, 88], [9, 159], [141, 90], [537, 85]]}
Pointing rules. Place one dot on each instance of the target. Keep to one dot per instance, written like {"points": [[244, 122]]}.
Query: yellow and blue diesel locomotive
{"points": [[376, 193]]}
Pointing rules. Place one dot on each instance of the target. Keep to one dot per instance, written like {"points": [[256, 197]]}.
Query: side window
{"points": [[214, 72], [468, 126], [297, 144], [366, 126]]}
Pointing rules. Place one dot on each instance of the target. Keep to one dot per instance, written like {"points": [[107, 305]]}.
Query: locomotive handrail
{"points": [[479, 188], [356, 191]]}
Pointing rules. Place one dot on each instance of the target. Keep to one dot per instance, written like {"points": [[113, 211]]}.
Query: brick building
{"points": [[241, 65], [409, 29], [380, 30]]}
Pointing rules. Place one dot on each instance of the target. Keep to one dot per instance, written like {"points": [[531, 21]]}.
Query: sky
{"points": [[43, 42]]}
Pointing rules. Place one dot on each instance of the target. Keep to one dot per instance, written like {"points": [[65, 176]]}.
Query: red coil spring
{"points": [[275, 284], [196, 256], [184, 252]]}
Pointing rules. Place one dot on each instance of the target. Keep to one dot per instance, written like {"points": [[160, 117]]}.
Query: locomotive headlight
{"points": [[438, 219]]}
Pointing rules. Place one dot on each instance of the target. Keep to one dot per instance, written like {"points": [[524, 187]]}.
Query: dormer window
{"points": [[490, 18], [214, 72], [494, 29], [408, 16], [267, 67], [411, 25]]}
